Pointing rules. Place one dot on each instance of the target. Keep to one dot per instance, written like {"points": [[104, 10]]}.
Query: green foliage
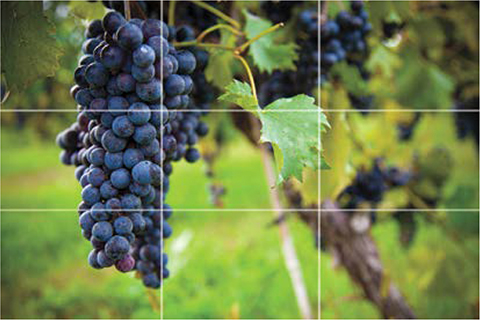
{"points": [[423, 85], [29, 51], [268, 55], [351, 78], [221, 60], [292, 125], [87, 10], [240, 93]]}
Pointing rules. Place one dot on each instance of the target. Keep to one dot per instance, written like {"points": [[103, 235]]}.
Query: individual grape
{"points": [[123, 225], [86, 221], [112, 143], [126, 82], [131, 157], [98, 212], [96, 75], [90, 195], [107, 190], [120, 178], [93, 259], [122, 127], [143, 56], [113, 160], [102, 231], [112, 22], [145, 134], [103, 260], [126, 264], [129, 36], [117, 247], [139, 113]]}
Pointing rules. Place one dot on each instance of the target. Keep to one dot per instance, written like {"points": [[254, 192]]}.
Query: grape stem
{"points": [[244, 46], [128, 13], [216, 27], [139, 10], [250, 76], [171, 12], [202, 45], [217, 12]]}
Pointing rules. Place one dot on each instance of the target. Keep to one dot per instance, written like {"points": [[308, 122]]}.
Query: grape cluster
{"points": [[467, 122], [279, 11], [187, 13], [132, 87], [305, 78], [370, 186], [405, 130], [392, 28], [344, 39]]}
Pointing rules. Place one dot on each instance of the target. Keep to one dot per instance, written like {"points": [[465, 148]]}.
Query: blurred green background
{"points": [[224, 264]]}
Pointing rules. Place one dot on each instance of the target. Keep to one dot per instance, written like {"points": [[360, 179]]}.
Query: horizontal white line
{"points": [[159, 111], [251, 210], [250, 111], [404, 110]]}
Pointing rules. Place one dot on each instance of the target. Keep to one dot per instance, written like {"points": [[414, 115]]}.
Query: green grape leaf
{"points": [[384, 61], [266, 53], [87, 10], [292, 126], [351, 78], [423, 85], [240, 93], [29, 51], [221, 60]]}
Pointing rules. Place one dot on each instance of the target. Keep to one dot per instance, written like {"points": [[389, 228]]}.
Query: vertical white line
{"points": [[162, 245], [319, 260], [478, 148], [1, 107]]}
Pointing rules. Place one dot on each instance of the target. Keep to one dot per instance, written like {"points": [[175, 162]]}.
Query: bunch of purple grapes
{"points": [[305, 79], [344, 39], [370, 186], [132, 87]]}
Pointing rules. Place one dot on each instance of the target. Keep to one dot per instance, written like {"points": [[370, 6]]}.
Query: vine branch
{"points": [[216, 27], [171, 12], [244, 46], [250, 76], [128, 13], [288, 249]]}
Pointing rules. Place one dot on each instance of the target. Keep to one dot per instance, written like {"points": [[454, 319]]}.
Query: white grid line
{"points": [[248, 210], [247, 111], [162, 247], [319, 184], [380, 210]]}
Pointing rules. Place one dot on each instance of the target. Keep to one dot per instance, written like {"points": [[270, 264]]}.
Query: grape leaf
{"points": [[240, 93], [29, 51], [292, 125], [221, 60], [294, 128], [87, 10], [384, 61], [423, 85], [268, 55], [351, 78]]}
